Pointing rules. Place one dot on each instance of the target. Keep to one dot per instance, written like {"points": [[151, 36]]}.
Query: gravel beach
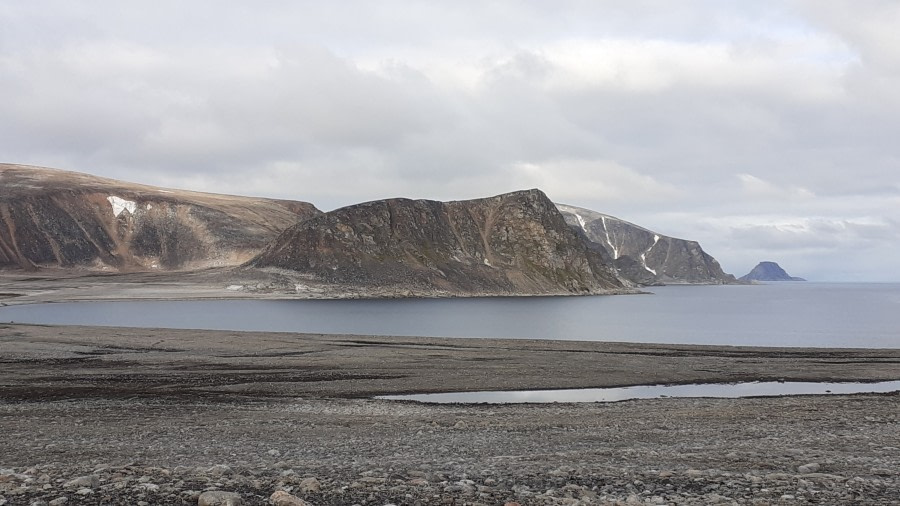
{"points": [[92, 415]]}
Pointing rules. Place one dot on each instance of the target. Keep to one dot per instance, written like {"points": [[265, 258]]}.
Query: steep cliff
{"points": [[509, 244], [768, 271], [54, 218], [643, 256]]}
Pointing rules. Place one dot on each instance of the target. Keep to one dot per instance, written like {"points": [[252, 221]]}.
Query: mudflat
{"points": [[104, 415]]}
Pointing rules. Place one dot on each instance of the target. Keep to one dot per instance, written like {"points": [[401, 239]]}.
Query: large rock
{"points": [[219, 498], [282, 498], [516, 243], [643, 256], [83, 482], [54, 218]]}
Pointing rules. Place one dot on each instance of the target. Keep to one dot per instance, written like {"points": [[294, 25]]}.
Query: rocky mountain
{"points": [[643, 256], [54, 218], [768, 271], [509, 244]]}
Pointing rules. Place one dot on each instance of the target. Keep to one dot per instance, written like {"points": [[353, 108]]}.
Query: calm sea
{"points": [[778, 314]]}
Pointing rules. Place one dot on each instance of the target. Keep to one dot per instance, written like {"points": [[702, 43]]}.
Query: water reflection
{"points": [[720, 390]]}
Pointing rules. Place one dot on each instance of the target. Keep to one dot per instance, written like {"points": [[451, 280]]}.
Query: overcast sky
{"points": [[764, 130]]}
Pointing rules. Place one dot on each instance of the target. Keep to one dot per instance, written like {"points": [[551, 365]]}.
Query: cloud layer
{"points": [[765, 130]]}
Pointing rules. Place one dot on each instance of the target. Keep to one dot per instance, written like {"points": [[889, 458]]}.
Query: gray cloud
{"points": [[758, 128]]}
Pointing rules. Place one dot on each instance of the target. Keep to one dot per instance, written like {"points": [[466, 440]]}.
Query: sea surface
{"points": [[863, 315]]}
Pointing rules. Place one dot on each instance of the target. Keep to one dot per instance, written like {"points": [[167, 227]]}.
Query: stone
{"points": [[82, 482], [282, 498], [219, 498], [310, 485], [218, 470], [809, 468], [59, 501], [84, 491], [150, 487]]}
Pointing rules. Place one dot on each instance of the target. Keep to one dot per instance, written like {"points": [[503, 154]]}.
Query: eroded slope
{"points": [[54, 218]]}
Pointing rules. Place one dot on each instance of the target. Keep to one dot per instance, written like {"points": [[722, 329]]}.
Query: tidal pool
{"points": [[719, 390]]}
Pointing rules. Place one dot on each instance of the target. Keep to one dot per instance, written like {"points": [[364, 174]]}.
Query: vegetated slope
{"points": [[769, 271], [516, 243], [644, 256], [54, 218]]}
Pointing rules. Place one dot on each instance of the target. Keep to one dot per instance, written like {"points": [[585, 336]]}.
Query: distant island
{"points": [[769, 271]]}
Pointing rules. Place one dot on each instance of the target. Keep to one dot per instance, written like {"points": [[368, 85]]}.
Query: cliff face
{"points": [[53, 218], [643, 256], [511, 243], [769, 271]]}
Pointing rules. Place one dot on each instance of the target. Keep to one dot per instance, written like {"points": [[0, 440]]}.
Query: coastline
{"points": [[216, 284], [159, 416]]}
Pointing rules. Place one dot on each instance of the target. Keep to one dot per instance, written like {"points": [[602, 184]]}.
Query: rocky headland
{"points": [[643, 256], [515, 243]]}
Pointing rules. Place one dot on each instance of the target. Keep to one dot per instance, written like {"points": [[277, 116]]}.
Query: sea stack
{"points": [[769, 271]]}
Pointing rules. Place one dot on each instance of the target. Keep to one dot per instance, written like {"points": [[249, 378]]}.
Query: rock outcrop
{"points": [[643, 256], [768, 271], [54, 218], [516, 243]]}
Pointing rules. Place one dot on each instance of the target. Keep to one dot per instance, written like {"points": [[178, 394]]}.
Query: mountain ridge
{"points": [[509, 243], [516, 243], [644, 256], [64, 219]]}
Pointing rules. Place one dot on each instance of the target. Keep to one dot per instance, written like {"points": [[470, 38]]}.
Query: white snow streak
{"points": [[581, 222], [608, 240], [644, 255], [120, 205]]}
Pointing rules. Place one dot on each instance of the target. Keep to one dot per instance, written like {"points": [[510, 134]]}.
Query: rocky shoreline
{"points": [[92, 415], [804, 450]]}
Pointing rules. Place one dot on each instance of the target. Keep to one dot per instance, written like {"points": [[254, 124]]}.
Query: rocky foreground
{"points": [[812, 450], [143, 416]]}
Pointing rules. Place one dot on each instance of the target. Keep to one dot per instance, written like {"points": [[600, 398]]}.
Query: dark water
{"points": [[780, 314], [719, 390]]}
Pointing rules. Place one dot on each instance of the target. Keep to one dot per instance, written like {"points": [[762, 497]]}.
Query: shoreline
{"points": [[158, 416], [107, 415], [298, 364]]}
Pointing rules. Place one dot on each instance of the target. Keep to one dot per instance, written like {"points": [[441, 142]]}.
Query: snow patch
{"points": [[580, 221], [608, 240], [235, 288], [644, 261], [487, 262], [644, 255], [120, 204]]}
